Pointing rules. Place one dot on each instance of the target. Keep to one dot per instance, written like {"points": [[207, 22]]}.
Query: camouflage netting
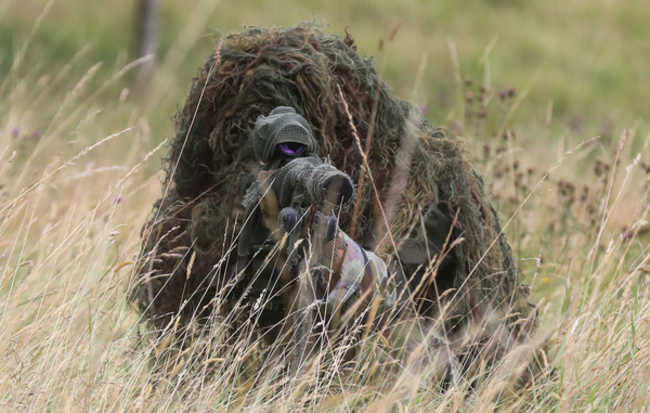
{"points": [[322, 76]]}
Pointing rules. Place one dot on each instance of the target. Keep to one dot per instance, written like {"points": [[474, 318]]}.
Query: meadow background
{"points": [[551, 97]]}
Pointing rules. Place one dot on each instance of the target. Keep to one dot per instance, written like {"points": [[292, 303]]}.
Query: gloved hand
{"points": [[349, 272]]}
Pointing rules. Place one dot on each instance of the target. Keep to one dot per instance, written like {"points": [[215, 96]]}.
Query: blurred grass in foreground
{"points": [[79, 171]]}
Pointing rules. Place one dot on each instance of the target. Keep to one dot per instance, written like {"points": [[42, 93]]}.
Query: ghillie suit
{"points": [[413, 175]]}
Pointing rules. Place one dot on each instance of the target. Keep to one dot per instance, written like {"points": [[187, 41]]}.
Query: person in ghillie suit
{"points": [[419, 204]]}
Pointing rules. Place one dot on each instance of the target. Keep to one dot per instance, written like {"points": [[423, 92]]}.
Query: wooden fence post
{"points": [[146, 29]]}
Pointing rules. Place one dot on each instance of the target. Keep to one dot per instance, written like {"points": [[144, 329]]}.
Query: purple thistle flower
{"points": [[15, 131], [36, 134], [503, 94], [119, 198]]}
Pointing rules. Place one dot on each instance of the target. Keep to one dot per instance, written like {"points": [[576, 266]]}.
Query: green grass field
{"points": [[79, 171]]}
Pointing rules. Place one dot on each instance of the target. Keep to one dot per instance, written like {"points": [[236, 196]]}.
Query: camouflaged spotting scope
{"points": [[309, 181], [284, 142]]}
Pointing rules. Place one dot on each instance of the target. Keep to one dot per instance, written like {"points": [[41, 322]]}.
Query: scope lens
{"points": [[338, 191], [292, 149]]}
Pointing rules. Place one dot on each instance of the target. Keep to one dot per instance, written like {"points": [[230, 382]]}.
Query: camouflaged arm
{"points": [[430, 242]]}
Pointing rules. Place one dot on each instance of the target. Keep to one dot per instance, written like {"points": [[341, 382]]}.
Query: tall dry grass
{"points": [[78, 175]]}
